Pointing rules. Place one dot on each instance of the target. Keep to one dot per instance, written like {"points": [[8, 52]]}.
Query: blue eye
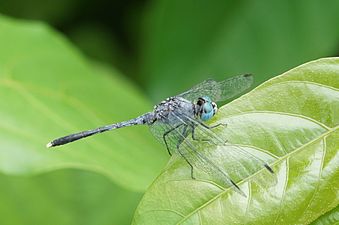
{"points": [[207, 111], [207, 108]]}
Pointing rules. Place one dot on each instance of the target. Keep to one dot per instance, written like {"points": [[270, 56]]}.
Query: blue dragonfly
{"points": [[173, 120]]}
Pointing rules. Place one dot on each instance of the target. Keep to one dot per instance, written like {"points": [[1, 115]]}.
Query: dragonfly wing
{"points": [[178, 142], [234, 86], [238, 155], [219, 91], [206, 88]]}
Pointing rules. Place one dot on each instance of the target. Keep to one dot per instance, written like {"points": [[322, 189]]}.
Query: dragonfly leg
{"points": [[164, 137], [219, 124], [184, 134], [188, 162], [211, 127]]}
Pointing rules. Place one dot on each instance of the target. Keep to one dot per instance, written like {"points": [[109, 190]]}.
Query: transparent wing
{"points": [[219, 91], [237, 155], [177, 141]]}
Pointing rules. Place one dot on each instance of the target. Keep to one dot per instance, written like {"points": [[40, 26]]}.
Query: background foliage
{"points": [[136, 52]]}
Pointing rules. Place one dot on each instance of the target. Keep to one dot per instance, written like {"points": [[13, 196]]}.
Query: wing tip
{"points": [[238, 189], [249, 76], [269, 168]]}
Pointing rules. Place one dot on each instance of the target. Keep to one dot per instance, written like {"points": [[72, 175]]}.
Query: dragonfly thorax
{"points": [[174, 109], [205, 108]]}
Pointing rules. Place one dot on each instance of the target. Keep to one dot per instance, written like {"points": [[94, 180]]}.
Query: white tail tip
{"points": [[49, 145]]}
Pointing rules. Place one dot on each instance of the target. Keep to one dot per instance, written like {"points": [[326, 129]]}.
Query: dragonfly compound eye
{"points": [[207, 111]]}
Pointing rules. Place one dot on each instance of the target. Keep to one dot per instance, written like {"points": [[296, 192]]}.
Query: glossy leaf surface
{"points": [[292, 121]]}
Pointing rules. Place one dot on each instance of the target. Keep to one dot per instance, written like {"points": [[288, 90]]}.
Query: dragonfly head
{"points": [[206, 108]]}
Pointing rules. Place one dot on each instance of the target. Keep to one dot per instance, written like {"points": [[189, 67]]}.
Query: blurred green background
{"points": [[160, 48]]}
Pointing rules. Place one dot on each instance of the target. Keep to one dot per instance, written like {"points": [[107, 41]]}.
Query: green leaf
{"points": [[48, 90], [185, 41], [66, 197], [291, 121]]}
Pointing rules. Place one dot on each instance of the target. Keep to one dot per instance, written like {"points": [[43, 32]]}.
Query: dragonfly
{"points": [[173, 120]]}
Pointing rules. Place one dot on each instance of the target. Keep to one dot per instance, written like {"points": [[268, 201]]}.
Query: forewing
{"points": [[206, 88], [232, 87], [238, 156], [192, 152], [219, 91]]}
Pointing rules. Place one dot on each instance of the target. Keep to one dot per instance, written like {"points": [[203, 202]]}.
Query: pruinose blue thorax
{"points": [[207, 108]]}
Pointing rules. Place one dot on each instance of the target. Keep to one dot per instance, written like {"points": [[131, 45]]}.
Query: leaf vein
{"points": [[262, 170], [283, 194]]}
